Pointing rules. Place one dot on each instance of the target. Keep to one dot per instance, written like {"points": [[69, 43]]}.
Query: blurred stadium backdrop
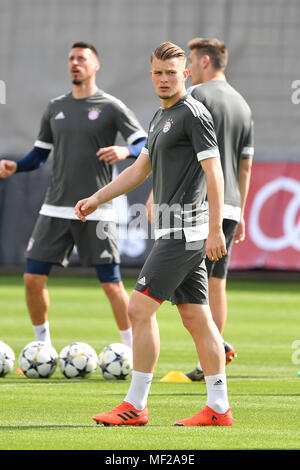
{"points": [[263, 38]]}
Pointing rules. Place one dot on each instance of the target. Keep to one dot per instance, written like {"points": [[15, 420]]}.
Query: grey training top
{"points": [[76, 129], [234, 129], [179, 138]]}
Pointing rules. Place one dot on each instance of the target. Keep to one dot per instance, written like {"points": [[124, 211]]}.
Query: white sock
{"points": [[42, 332], [217, 398], [139, 389], [126, 337]]}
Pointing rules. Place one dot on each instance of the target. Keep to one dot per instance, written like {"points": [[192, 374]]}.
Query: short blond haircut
{"points": [[168, 50]]}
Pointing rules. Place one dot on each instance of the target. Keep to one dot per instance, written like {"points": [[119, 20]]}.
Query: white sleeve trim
{"points": [[137, 135], [211, 153], [43, 145], [145, 151], [248, 151]]}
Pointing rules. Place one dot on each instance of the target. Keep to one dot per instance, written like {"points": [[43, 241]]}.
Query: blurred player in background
{"points": [[182, 154], [234, 129], [80, 127]]}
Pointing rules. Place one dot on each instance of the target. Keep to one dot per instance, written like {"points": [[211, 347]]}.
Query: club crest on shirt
{"points": [[93, 113], [167, 125]]}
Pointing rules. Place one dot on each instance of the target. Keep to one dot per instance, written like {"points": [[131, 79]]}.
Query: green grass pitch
{"points": [[55, 413]]}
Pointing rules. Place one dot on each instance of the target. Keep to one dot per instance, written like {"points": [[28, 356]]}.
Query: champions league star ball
{"points": [[7, 359], [115, 362], [38, 360], [78, 360]]}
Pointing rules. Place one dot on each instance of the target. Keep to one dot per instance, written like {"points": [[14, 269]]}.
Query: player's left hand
{"points": [[113, 154], [216, 246]]}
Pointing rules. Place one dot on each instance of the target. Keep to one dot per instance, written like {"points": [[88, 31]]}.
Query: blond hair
{"points": [[168, 50]]}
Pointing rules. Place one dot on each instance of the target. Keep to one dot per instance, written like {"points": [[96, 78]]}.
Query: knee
{"points": [[133, 312], [114, 289], [194, 321], [189, 323], [111, 288], [34, 282], [187, 318], [137, 311]]}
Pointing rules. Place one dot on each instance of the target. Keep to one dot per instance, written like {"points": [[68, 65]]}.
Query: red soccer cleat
{"points": [[230, 353], [207, 417], [124, 414]]}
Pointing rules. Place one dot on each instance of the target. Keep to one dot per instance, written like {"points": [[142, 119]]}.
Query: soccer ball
{"points": [[115, 361], [7, 359], [38, 360], [78, 360]]}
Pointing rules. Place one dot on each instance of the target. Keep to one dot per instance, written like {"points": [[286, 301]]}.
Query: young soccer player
{"points": [[182, 154], [234, 130]]}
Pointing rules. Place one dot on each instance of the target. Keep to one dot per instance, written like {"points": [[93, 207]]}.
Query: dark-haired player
{"points": [[80, 127], [182, 154]]}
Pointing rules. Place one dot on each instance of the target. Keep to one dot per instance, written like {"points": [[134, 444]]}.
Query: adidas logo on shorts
{"points": [[142, 281], [105, 254], [60, 116]]}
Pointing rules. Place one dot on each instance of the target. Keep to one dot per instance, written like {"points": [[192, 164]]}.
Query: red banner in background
{"points": [[272, 219]]}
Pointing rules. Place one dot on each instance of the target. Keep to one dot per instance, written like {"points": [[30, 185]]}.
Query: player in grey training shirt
{"points": [[76, 129], [184, 191], [80, 127], [181, 152], [234, 129]]}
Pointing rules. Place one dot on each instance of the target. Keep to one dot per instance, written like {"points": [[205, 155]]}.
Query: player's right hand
{"points": [[85, 207], [7, 168], [113, 154], [240, 231], [216, 245]]}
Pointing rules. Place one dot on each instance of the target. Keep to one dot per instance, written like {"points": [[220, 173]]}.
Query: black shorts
{"points": [[219, 268], [175, 271], [53, 239]]}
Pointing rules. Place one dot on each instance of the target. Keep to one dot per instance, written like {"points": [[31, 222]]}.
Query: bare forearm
{"points": [[215, 243], [129, 179], [121, 185], [215, 197], [125, 182], [244, 181]]}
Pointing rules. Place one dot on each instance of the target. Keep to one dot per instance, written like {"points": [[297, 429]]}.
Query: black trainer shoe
{"points": [[196, 375]]}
